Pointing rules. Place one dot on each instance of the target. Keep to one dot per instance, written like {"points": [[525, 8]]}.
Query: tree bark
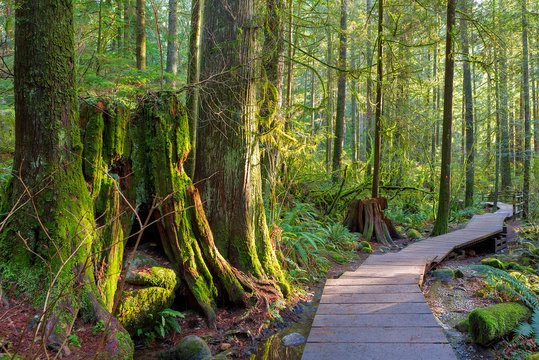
{"points": [[444, 199], [228, 125], [469, 112], [329, 106], [172, 41], [51, 236], [193, 77], [526, 99], [141, 34], [379, 105], [341, 97], [505, 160], [368, 136]]}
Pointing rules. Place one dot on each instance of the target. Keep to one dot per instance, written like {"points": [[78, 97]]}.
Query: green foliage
{"points": [[98, 327], [73, 340], [163, 322]]}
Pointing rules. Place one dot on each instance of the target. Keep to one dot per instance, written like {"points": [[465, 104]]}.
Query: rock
{"points": [[463, 325], [493, 262], [294, 339], [366, 250], [224, 346], [137, 307], [493, 322], [145, 270], [153, 276], [445, 274], [458, 274], [191, 347], [365, 244], [413, 234], [383, 249]]}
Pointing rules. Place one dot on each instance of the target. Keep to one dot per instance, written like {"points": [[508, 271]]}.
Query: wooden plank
{"points": [[371, 289], [393, 280], [374, 351], [374, 308], [371, 298], [388, 320], [380, 335]]}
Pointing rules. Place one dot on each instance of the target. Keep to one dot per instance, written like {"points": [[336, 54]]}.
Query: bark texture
{"points": [[228, 170]]}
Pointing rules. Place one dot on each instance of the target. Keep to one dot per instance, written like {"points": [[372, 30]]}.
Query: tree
{"points": [[444, 198], [379, 97], [341, 96], [368, 115], [172, 40], [141, 34], [469, 117], [526, 99], [505, 163], [49, 234], [227, 168]]}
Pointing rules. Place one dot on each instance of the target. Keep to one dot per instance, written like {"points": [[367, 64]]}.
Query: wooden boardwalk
{"points": [[378, 311]]}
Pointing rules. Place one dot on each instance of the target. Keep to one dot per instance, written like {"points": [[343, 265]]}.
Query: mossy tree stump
{"points": [[367, 217]]}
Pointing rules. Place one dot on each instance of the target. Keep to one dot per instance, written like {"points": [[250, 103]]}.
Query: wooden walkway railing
{"points": [[378, 311]]}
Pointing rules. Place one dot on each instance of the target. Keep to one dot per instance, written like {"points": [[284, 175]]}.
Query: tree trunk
{"points": [[469, 112], [505, 160], [368, 136], [141, 34], [172, 41], [444, 199], [50, 237], [526, 97], [353, 108], [329, 106], [233, 193], [341, 97], [193, 77], [367, 217], [379, 105]]}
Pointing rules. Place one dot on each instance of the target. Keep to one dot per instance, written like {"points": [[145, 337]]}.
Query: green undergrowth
{"points": [[310, 244]]}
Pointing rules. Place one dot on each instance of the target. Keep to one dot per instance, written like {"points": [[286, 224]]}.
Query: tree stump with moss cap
{"points": [[367, 217]]}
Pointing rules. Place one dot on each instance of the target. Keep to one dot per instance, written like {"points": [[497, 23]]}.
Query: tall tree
{"points": [[141, 34], [353, 108], [228, 126], [341, 95], [329, 106], [172, 39], [368, 115], [51, 236], [505, 156], [379, 105], [193, 77], [526, 99], [444, 198], [469, 112]]}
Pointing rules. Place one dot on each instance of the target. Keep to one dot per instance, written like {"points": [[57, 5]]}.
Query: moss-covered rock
{"points": [[445, 273], [534, 356], [365, 244], [493, 262], [11, 357], [463, 326], [493, 322], [138, 306], [458, 274], [514, 266], [366, 250], [337, 257], [153, 276], [383, 249], [190, 347], [413, 234]]}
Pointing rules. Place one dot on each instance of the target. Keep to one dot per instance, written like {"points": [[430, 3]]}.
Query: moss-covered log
{"points": [[493, 322]]}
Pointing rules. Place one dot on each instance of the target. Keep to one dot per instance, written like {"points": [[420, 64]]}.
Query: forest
{"points": [[187, 179]]}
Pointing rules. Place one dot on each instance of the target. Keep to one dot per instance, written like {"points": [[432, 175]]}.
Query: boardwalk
{"points": [[378, 311]]}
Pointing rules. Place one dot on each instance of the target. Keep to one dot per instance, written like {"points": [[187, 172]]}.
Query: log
{"points": [[367, 217]]}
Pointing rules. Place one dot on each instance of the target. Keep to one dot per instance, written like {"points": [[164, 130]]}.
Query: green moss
{"points": [[463, 326], [493, 262], [137, 307], [513, 266], [366, 250], [337, 257], [413, 234], [445, 273], [154, 276], [458, 274], [493, 322], [365, 244], [534, 356]]}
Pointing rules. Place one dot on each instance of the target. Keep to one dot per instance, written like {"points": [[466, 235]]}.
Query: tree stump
{"points": [[367, 217]]}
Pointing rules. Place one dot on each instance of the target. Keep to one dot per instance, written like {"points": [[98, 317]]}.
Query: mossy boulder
{"points": [[383, 249], [493, 322], [463, 326], [137, 307], [190, 347], [365, 247], [413, 234], [444, 274], [493, 262], [366, 250], [338, 258], [153, 276], [514, 266]]}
